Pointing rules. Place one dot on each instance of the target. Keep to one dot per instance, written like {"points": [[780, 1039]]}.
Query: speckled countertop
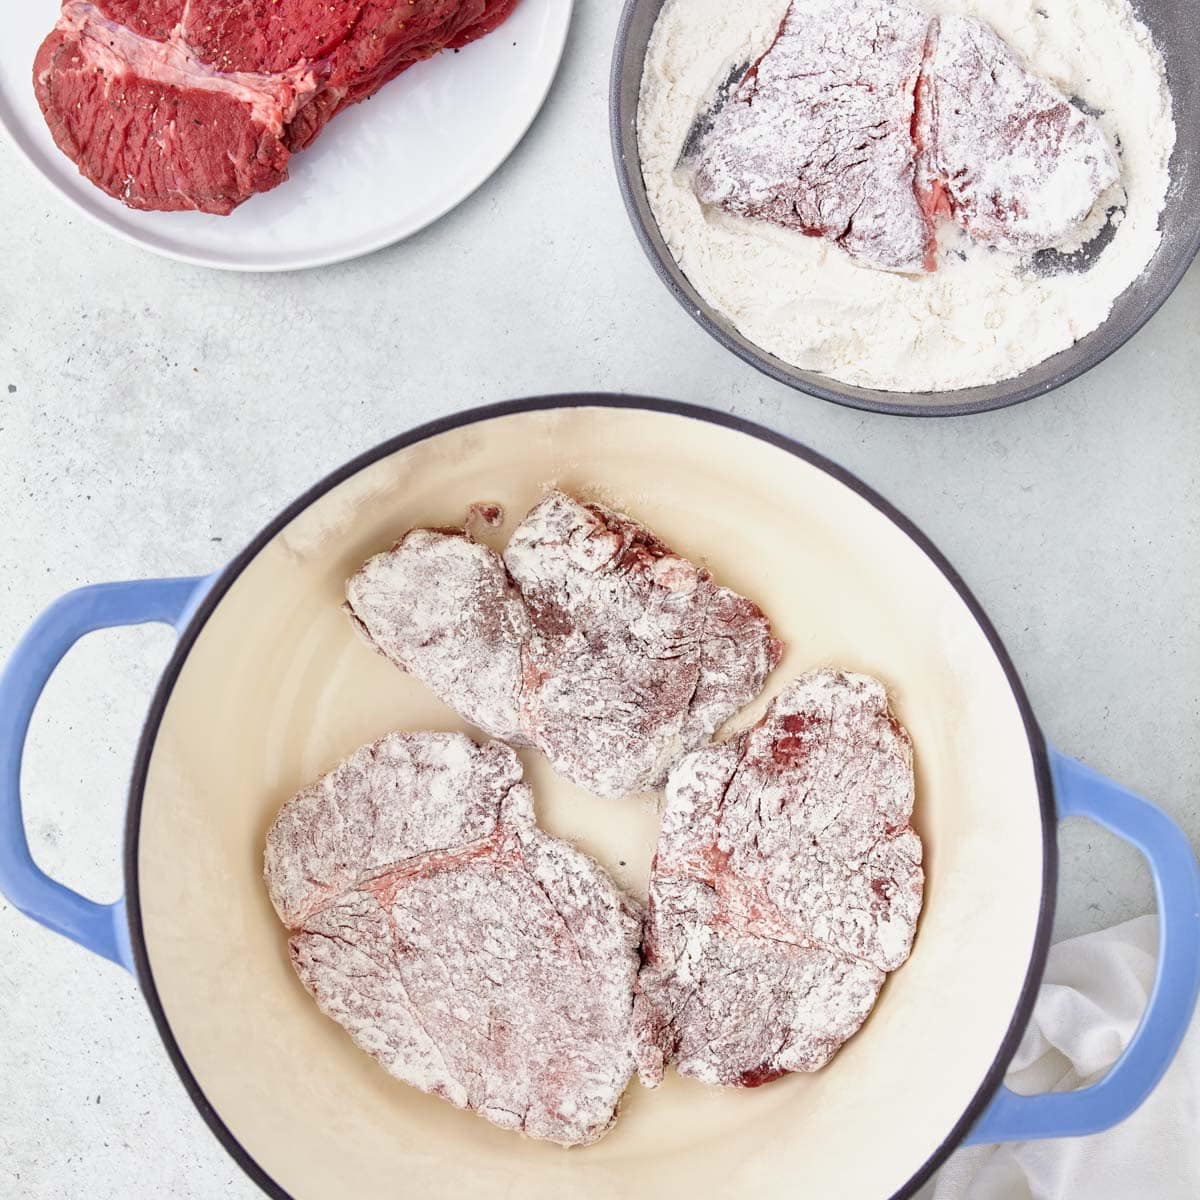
{"points": [[154, 416]]}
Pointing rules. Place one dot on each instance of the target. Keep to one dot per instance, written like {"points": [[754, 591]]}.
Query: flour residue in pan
{"points": [[984, 315]]}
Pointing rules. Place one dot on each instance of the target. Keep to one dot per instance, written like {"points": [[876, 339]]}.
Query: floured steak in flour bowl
{"points": [[909, 211], [863, 122], [472, 919]]}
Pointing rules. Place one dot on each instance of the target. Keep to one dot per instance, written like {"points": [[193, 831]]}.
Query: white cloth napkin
{"points": [[1091, 998]]}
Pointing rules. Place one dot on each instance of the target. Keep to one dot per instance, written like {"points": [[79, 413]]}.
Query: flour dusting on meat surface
{"points": [[994, 306], [817, 137], [474, 956], [442, 607], [787, 882], [590, 639], [1000, 151], [636, 655]]}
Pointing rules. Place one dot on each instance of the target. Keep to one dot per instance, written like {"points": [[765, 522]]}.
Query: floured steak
{"points": [[786, 884], [816, 137], [476, 957], [590, 640], [443, 608], [636, 654], [866, 120], [1001, 151]]}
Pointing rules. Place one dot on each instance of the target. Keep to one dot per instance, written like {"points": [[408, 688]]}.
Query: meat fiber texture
{"points": [[199, 104], [866, 119], [816, 135], [474, 956], [786, 884], [1001, 151], [590, 640]]}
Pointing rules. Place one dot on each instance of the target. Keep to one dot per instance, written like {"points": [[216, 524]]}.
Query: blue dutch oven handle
{"points": [[1081, 792], [101, 928]]}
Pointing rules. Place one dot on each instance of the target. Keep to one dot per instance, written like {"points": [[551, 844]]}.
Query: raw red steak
{"points": [[1002, 152], [598, 645], [866, 119], [787, 882], [198, 104], [473, 955]]}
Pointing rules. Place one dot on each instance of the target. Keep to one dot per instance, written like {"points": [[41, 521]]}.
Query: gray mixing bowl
{"points": [[1175, 25]]}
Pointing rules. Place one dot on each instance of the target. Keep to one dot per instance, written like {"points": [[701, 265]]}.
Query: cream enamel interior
{"points": [[277, 688]]}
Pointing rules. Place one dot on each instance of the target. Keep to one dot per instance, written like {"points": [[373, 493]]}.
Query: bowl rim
{"points": [[775, 368], [227, 576]]}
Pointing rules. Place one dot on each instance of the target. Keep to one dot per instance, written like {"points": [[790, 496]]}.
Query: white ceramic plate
{"points": [[380, 172]]}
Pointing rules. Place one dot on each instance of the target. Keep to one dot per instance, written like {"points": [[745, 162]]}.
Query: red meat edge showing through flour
{"points": [[473, 955], [786, 884], [948, 125]]}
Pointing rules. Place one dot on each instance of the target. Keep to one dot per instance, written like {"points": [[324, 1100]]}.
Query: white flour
{"points": [[984, 315]]}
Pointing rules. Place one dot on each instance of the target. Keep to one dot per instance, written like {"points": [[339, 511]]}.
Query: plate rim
{"points": [[223, 262], [226, 576]]}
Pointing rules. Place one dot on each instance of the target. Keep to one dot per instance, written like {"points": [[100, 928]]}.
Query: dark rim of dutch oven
{"points": [[231, 573], [778, 370]]}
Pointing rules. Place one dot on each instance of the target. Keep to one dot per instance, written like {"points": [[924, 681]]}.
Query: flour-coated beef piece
{"points": [[816, 137], [474, 956], [636, 655], [441, 607], [1003, 152], [786, 883], [199, 104]]}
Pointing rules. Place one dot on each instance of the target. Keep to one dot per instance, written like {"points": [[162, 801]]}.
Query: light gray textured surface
{"points": [[153, 417]]}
